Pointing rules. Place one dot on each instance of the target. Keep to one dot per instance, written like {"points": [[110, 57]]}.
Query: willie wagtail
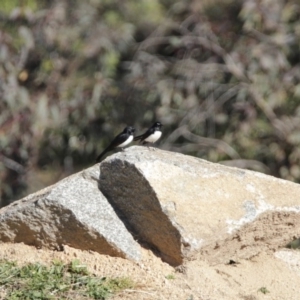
{"points": [[151, 135], [121, 140]]}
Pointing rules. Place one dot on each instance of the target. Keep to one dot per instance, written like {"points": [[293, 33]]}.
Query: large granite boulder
{"points": [[179, 206]]}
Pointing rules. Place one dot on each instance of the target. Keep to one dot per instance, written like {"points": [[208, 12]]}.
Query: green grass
{"points": [[58, 281], [264, 290], [170, 277], [295, 244]]}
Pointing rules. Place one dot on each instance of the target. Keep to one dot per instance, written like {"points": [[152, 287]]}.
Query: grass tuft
{"points": [[58, 281], [170, 277], [264, 290]]}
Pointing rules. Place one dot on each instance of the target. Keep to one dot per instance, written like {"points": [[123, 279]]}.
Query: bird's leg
{"points": [[154, 148], [122, 149], [146, 144]]}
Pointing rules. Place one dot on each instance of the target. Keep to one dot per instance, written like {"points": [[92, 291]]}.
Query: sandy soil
{"points": [[196, 279]]}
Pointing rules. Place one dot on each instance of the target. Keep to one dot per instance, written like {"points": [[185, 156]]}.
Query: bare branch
{"points": [[11, 164]]}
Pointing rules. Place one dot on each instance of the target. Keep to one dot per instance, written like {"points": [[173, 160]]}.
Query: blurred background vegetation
{"points": [[223, 76]]}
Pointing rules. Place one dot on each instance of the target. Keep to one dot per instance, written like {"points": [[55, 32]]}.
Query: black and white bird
{"points": [[120, 141], [152, 135]]}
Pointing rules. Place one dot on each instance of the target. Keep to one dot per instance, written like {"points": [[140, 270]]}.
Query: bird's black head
{"points": [[157, 125], [129, 130]]}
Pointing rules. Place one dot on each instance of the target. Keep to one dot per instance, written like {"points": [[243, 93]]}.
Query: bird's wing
{"points": [[144, 135], [119, 139]]}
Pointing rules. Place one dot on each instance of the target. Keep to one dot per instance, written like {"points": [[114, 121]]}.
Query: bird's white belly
{"points": [[128, 141], [153, 137]]}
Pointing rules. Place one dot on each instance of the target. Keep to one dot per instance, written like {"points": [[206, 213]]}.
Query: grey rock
{"points": [[181, 206], [72, 212]]}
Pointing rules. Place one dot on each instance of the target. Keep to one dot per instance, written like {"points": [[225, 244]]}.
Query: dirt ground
{"points": [[278, 272]]}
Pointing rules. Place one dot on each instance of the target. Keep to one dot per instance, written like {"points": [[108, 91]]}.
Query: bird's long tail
{"points": [[136, 138], [98, 159]]}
